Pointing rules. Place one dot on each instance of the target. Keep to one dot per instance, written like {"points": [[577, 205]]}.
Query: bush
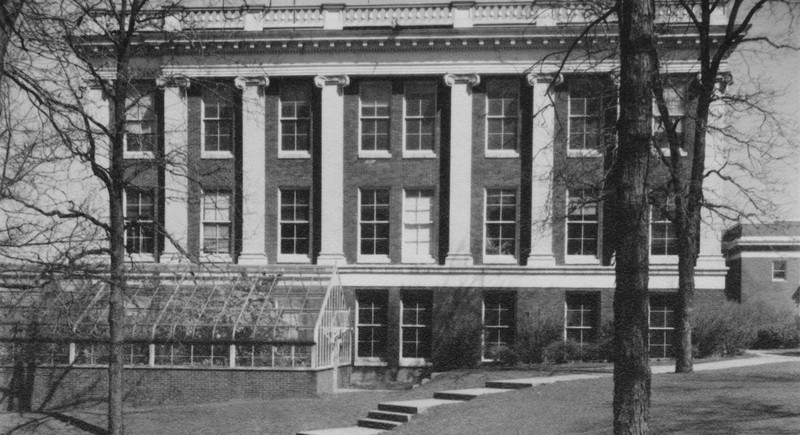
{"points": [[561, 352], [730, 328], [783, 336], [503, 355], [545, 329]]}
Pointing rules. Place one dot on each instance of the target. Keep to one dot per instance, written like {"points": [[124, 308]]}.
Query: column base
{"points": [[457, 260], [711, 262], [541, 260], [252, 259], [331, 259]]}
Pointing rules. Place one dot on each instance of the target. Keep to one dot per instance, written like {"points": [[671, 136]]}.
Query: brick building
{"points": [[436, 153]]}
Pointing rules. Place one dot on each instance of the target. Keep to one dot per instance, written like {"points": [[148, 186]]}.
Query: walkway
{"points": [[392, 414]]}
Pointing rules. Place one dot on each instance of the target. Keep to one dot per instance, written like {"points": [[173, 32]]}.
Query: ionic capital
{"points": [[341, 81], [451, 79], [544, 78], [243, 82], [180, 81]]}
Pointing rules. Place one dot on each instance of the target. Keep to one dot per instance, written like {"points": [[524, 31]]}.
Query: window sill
{"points": [[294, 258], [374, 154], [419, 155], [294, 154], [216, 155], [138, 155], [414, 362], [215, 258], [370, 362], [419, 260], [778, 279], [499, 259], [581, 259], [379, 259], [502, 154], [666, 152], [141, 258], [584, 153]]}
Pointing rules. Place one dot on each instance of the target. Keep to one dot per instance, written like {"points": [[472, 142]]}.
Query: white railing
{"points": [[524, 13], [290, 18], [366, 16]]}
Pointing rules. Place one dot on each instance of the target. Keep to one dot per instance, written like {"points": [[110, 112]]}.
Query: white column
{"points": [[91, 188], [332, 156], [711, 225], [460, 167], [176, 185], [543, 136], [254, 172]]}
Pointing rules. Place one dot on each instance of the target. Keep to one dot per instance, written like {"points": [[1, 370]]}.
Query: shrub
{"points": [[561, 352], [504, 356], [781, 336], [545, 329]]}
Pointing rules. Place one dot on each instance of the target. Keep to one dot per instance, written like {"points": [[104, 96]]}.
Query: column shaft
{"points": [[176, 186]]}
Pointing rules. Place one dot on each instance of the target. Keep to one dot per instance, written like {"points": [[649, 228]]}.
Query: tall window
{"points": [[498, 321], [501, 222], [371, 324], [662, 326], [218, 119], [663, 239], [140, 123], [417, 225], [585, 116], [676, 105], [779, 270], [375, 98], [295, 118], [582, 317], [420, 116], [415, 324], [374, 222], [139, 221], [216, 222], [582, 223], [502, 115], [294, 221]]}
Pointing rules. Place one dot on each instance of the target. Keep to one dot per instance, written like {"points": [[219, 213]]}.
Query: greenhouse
{"points": [[287, 319]]}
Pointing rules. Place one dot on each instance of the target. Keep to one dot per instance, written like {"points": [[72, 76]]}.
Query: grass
{"points": [[760, 399]]}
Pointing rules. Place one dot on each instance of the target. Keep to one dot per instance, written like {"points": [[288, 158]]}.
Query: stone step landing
{"points": [[468, 393], [352, 430], [420, 406], [401, 417], [374, 423], [516, 384]]}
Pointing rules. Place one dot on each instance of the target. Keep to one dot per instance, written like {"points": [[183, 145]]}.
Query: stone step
{"points": [[468, 393], [420, 406], [401, 417], [352, 430], [374, 423]]}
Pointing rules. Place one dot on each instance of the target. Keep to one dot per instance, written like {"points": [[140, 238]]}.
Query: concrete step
{"points": [[352, 430], [530, 382], [401, 417], [374, 423], [468, 393], [420, 406]]}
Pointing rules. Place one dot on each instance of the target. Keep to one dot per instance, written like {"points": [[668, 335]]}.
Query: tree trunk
{"points": [[9, 12], [628, 181]]}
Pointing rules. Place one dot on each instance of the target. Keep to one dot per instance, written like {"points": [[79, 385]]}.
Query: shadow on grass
{"points": [[731, 416], [41, 420]]}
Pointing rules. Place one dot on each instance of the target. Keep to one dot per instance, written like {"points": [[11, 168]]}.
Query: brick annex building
{"points": [[434, 153]]}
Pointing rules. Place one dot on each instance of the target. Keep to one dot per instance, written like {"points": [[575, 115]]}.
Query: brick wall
{"points": [[757, 284], [58, 388]]}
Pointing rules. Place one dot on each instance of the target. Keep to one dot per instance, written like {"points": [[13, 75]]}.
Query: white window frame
{"points": [[511, 324], [583, 326], [502, 153], [407, 224], [221, 257], [419, 154], [784, 271], [582, 152], [373, 258], [216, 154], [295, 154], [143, 155], [581, 259], [501, 258], [411, 361], [372, 360], [374, 154], [661, 258], [680, 93], [140, 256], [662, 329], [295, 257]]}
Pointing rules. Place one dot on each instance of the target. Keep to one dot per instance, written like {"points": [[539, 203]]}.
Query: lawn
{"points": [[762, 399]]}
